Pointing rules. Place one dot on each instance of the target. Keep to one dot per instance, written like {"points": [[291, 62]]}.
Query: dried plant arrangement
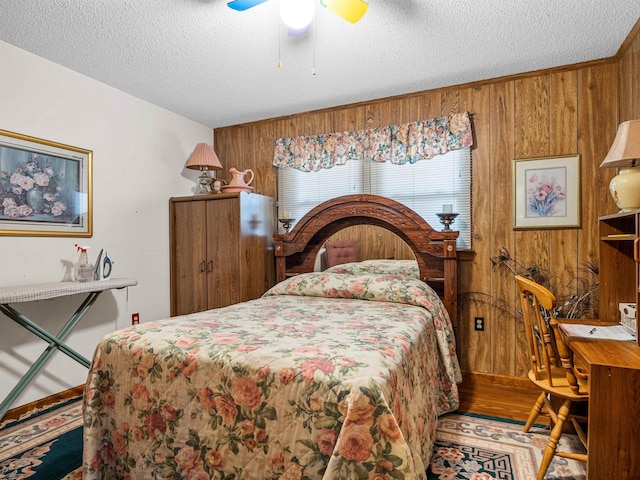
{"points": [[581, 301]]}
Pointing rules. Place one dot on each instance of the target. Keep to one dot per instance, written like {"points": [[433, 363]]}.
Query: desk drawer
{"points": [[582, 370]]}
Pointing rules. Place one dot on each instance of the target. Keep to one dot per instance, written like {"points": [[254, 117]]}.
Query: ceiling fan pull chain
{"points": [[313, 72], [279, 43]]}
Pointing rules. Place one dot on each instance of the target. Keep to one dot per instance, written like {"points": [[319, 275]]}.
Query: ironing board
{"points": [[30, 293]]}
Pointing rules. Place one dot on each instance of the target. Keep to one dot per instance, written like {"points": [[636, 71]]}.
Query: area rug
{"points": [[47, 445], [44, 445], [477, 447]]}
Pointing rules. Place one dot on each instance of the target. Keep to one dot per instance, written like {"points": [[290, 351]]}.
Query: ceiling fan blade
{"points": [[351, 10], [242, 5]]}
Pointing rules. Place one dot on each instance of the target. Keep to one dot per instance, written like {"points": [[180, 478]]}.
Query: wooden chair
{"points": [[551, 370], [341, 251]]}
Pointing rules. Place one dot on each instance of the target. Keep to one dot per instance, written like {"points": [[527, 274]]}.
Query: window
{"points": [[424, 186]]}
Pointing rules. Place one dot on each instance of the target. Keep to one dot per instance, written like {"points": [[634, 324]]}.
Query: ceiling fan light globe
{"points": [[297, 14]]}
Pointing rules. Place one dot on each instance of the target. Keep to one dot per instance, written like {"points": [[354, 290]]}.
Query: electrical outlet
{"points": [[135, 318], [479, 324]]}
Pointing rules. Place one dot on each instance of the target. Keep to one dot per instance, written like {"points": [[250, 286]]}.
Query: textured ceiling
{"points": [[217, 66]]}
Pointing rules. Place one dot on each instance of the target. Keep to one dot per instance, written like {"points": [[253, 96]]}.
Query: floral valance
{"points": [[399, 144]]}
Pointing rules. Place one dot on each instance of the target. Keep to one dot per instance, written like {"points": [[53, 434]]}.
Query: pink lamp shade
{"points": [[204, 158]]}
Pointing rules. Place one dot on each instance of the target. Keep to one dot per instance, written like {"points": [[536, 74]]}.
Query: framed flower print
{"points": [[546, 192], [45, 187]]}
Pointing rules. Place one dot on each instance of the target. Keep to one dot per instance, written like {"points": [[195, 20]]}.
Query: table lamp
{"points": [[625, 154], [204, 158]]}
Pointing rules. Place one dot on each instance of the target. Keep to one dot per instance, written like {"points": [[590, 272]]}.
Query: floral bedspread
{"points": [[327, 376], [408, 268]]}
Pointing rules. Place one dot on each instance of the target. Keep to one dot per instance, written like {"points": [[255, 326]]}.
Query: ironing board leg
{"points": [[55, 343]]}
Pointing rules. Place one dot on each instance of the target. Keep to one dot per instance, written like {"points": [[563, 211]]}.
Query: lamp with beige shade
{"points": [[204, 158], [625, 154]]}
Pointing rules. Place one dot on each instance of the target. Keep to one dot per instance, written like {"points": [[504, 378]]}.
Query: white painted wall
{"points": [[139, 153]]}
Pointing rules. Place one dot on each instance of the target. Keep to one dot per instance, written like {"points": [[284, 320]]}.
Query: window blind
{"points": [[424, 186]]}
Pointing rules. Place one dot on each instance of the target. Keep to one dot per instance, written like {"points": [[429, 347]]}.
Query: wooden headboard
{"points": [[435, 251]]}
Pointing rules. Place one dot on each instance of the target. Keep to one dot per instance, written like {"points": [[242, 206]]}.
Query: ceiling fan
{"points": [[351, 10]]}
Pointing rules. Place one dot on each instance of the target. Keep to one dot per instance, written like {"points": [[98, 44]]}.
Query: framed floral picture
{"points": [[45, 187], [546, 192]]}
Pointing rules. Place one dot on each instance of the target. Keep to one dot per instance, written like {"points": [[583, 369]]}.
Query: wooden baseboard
{"points": [[17, 412], [497, 395]]}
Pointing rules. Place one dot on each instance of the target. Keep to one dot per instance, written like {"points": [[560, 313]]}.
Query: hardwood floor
{"points": [[498, 396]]}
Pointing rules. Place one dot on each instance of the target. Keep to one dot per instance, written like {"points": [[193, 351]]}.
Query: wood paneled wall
{"points": [[629, 76], [375, 242], [568, 110]]}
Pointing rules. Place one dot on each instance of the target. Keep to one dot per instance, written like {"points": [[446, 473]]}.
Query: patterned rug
{"points": [[477, 447], [47, 445], [43, 445]]}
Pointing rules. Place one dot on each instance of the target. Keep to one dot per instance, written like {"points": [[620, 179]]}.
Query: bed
{"points": [[434, 251], [327, 376]]}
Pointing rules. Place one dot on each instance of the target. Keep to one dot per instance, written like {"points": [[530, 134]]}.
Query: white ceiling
{"points": [[217, 66]]}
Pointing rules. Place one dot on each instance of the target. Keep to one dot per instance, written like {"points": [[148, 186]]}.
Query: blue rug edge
{"points": [[497, 419]]}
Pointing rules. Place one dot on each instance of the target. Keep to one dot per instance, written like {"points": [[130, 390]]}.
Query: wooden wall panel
{"points": [[501, 147], [478, 344], [263, 139], [400, 110], [629, 73], [597, 124], [385, 114], [375, 243], [371, 116], [563, 126], [223, 140], [427, 105], [314, 124], [450, 102], [573, 109], [532, 140]]}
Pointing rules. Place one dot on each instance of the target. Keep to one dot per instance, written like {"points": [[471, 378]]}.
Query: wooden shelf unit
{"points": [[619, 264]]}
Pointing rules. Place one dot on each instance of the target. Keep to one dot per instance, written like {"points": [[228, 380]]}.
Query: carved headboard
{"points": [[435, 251]]}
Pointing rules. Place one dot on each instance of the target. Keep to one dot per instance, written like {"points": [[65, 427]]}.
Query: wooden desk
{"points": [[613, 382]]}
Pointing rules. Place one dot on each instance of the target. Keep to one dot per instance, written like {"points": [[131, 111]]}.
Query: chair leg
{"points": [[535, 411], [554, 438]]}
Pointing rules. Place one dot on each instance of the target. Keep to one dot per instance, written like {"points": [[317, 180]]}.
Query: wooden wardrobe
{"points": [[221, 250]]}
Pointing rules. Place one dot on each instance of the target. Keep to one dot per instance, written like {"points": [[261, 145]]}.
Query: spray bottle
{"points": [[82, 270]]}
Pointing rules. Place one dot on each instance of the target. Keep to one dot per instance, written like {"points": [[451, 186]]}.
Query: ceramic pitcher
{"points": [[237, 177]]}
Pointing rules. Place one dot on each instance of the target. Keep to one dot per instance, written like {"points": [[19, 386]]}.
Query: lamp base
{"points": [[625, 189], [203, 186]]}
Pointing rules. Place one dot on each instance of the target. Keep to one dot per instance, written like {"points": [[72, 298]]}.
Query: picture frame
{"points": [[45, 187], [546, 192]]}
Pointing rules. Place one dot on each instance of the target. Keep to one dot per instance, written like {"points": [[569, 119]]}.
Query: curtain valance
{"points": [[398, 144]]}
